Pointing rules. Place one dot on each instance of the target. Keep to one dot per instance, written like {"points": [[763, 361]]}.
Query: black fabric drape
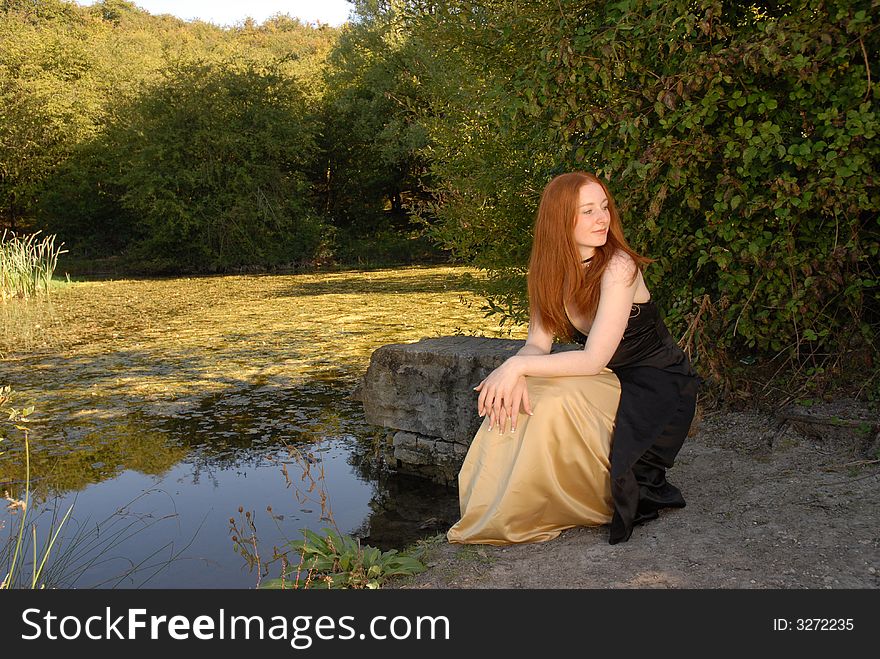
{"points": [[657, 403]]}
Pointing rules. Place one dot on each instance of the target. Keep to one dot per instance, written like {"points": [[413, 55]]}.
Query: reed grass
{"points": [[27, 264], [13, 578]]}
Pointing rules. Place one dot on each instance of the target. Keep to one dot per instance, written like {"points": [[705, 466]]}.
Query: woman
{"points": [[590, 433]]}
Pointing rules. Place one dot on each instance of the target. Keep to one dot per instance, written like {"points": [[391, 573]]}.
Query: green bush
{"points": [[739, 141]]}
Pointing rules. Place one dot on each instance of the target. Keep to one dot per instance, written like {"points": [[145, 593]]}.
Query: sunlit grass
{"points": [[27, 264]]}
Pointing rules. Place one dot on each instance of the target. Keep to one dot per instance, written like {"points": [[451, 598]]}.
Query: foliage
{"points": [[740, 143], [205, 171], [230, 189], [372, 141], [48, 98], [334, 560], [179, 146], [93, 96], [26, 265]]}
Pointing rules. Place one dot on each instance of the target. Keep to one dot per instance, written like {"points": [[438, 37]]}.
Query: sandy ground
{"points": [[772, 503]]}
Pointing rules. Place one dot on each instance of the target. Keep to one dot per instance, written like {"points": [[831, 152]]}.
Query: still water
{"points": [[163, 408]]}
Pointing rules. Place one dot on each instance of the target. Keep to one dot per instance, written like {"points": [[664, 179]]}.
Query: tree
{"points": [[210, 167], [48, 98], [372, 141]]}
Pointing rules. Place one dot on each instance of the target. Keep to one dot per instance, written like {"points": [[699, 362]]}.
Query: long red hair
{"points": [[556, 272]]}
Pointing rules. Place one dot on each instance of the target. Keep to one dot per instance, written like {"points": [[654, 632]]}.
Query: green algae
{"points": [[141, 374]]}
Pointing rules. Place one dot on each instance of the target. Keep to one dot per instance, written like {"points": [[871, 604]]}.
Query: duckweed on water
{"points": [[141, 374]]}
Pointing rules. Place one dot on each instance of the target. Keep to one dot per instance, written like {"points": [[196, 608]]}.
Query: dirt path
{"points": [[794, 506]]}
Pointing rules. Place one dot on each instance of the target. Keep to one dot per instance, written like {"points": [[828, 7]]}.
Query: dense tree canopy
{"points": [[183, 145]]}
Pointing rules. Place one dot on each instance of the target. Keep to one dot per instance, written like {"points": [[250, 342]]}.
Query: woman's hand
{"points": [[502, 393]]}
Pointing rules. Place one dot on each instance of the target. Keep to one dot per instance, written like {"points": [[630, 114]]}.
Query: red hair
{"points": [[556, 272]]}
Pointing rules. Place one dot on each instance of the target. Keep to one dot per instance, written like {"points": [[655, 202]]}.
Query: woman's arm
{"points": [[502, 388], [539, 341], [618, 289]]}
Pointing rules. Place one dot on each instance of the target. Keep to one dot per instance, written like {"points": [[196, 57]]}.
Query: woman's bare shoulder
{"points": [[621, 267]]}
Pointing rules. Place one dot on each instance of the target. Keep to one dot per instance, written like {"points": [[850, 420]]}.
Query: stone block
{"points": [[424, 391]]}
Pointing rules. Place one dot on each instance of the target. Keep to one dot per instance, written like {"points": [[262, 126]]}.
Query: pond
{"points": [[167, 409]]}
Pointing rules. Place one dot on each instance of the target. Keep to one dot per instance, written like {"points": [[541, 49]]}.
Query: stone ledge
{"points": [[423, 392]]}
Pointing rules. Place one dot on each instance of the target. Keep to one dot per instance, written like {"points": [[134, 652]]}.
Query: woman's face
{"points": [[592, 219]]}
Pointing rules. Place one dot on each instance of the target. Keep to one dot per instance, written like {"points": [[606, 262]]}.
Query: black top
{"points": [[646, 342]]}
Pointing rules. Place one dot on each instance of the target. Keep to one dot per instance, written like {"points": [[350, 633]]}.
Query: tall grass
{"points": [[27, 264], [13, 578]]}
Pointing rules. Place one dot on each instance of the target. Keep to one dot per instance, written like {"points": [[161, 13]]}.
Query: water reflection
{"points": [[170, 404]]}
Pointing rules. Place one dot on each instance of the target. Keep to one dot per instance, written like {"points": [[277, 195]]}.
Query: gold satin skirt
{"points": [[552, 474]]}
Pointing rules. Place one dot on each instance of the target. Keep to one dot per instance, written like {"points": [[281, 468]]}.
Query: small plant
{"points": [[331, 560], [339, 561]]}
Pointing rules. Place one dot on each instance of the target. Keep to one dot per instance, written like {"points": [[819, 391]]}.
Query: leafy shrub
{"points": [[739, 141], [338, 561]]}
